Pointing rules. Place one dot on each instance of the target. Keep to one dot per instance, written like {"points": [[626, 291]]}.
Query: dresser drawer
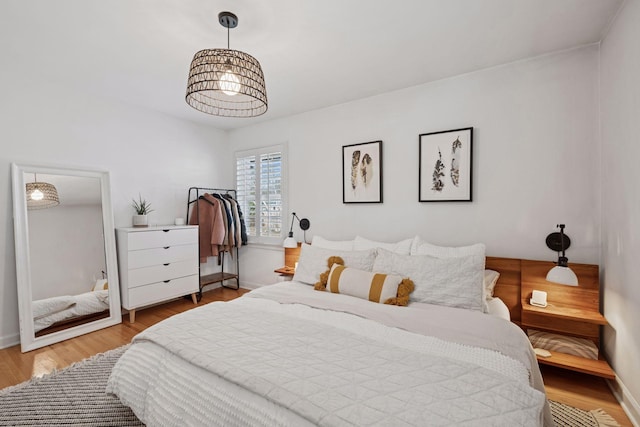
{"points": [[162, 238], [163, 255], [159, 273], [162, 291]]}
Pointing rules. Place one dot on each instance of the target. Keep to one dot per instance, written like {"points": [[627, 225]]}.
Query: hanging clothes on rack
{"points": [[230, 239], [221, 229], [212, 230], [221, 224], [243, 227], [241, 239]]}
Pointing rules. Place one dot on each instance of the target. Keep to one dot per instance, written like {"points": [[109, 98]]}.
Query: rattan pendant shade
{"points": [[206, 89], [41, 195], [226, 82]]}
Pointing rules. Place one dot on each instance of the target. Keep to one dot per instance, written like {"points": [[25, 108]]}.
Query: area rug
{"points": [[568, 416], [75, 396]]}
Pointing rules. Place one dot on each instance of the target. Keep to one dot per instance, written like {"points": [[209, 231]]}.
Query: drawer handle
{"points": [[166, 281], [166, 247], [166, 264], [166, 231]]}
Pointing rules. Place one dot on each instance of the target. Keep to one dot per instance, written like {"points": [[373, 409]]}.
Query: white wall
{"points": [[620, 127], [66, 250], [535, 161], [145, 152]]}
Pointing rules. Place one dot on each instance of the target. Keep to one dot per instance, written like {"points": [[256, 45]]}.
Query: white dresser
{"points": [[157, 264]]}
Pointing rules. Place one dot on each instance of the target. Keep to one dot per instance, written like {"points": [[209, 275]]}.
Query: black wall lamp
{"points": [[304, 223], [561, 273]]}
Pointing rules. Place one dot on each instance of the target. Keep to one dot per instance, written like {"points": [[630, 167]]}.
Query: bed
{"points": [[290, 355], [52, 314]]}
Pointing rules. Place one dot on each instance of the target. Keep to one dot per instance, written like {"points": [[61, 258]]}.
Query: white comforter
{"points": [[257, 361]]}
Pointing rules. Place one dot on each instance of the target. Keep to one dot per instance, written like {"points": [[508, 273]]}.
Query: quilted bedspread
{"points": [[267, 363]]}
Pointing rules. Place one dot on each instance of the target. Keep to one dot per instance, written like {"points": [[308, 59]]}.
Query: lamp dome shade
{"points": [[562, 276]]}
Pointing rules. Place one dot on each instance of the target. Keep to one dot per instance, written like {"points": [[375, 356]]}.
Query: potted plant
{"points": [[142, 208]]}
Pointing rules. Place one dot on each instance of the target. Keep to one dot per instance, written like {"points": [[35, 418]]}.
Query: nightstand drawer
{"points": [[167, 254], [566, 326], [159, 273], [161, 291], [161, 238]]}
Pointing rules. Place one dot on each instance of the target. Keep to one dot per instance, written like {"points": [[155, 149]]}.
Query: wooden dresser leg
{"points": [[132, 315], [194, 298]]}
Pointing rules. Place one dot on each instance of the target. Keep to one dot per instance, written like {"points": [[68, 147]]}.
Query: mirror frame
{"points": [[28, 340]]}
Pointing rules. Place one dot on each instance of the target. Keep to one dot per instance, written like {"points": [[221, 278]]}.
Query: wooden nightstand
{"points": [[285, 271], [291, 256], [571, 310]]}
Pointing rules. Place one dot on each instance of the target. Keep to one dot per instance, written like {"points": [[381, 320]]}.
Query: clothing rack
{"points": [[221, 276]]}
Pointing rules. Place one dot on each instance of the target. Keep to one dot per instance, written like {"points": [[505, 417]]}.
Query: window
{"points": [[260, 187]]}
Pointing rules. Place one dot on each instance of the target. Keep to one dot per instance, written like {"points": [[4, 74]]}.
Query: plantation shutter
{"points": [[271, 194], [246, 191], [260, 187]]}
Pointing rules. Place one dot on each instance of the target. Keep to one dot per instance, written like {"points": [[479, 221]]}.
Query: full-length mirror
{"points": [[65, 253]]}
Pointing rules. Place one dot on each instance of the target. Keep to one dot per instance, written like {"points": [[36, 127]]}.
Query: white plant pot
{"points": [[140, 221]]}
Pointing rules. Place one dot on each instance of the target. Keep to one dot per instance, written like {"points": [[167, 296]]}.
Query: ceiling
{"points": [[313, 53]]}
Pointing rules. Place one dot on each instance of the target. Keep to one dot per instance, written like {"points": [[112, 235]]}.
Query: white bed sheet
{"points": [[159, 385]]}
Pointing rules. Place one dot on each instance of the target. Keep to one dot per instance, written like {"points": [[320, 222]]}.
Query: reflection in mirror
{"points": [[65, 254], [67, 285]]}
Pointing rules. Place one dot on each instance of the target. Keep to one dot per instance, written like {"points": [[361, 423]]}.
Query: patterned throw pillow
{"points": [[313, 262], [581, 347], [453, 282]]}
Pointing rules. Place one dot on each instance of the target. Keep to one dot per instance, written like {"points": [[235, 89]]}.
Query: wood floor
{"points": [[579, 390], [16, 367], [582, 391]]}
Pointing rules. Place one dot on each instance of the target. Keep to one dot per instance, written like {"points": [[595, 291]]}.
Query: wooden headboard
{"points": [[508, 286], [519, 276]]}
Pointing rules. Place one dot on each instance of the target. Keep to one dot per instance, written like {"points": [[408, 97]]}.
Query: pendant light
{"points": [[561, 273], [41, 195], [226, 82]]}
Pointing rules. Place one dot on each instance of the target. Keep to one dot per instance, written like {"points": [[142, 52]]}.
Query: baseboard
{"points": [[251, 285], [9, 340], [629, 405]]}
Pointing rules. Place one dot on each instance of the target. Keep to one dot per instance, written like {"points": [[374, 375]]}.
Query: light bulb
{"points": [[37, 195], [230, 83]]}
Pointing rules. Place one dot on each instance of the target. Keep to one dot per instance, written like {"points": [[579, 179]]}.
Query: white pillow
{"points": [[490, 280], [402, 247], [313, 262], [453, 282], [340, 245], [422, 247], [498, 308], [101, 284]]}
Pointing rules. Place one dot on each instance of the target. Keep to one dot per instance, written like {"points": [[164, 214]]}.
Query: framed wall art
{"points": [[445, 166], [362, 173]]}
